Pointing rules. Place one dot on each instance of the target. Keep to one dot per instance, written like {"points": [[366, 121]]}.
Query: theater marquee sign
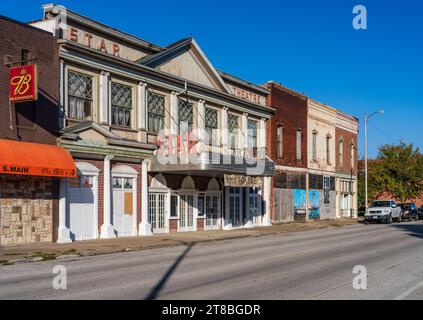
{"points": [[238, 181]]}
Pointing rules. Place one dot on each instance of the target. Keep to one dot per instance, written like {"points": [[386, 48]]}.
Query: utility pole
{"points": [[366, 119]]}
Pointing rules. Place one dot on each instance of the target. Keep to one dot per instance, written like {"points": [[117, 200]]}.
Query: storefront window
{"points": [[156, 112], [121, 105], [201, 206], [173, 206], [80, 95]]}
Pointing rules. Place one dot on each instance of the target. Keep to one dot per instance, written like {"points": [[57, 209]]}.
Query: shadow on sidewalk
{"points": [[160, 285]]}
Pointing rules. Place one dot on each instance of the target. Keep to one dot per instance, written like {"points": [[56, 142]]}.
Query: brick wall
{"points": [[26, 210], [200, 224], [291, 113], [34, 122], [348, 138]]}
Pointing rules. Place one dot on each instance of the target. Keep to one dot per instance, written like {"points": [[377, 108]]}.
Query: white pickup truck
{"points": [[383, 211]]}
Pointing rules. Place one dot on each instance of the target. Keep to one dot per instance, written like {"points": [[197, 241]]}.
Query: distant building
{"points": [[314, 147]]}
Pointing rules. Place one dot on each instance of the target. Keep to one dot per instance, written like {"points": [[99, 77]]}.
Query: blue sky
{"points": [[307, 45]]}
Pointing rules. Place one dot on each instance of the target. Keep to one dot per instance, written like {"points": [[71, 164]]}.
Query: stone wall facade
{"points": [[26, 210]]}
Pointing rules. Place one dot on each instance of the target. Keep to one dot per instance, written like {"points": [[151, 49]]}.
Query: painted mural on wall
{"points": [[314, 204], [300, 204]]}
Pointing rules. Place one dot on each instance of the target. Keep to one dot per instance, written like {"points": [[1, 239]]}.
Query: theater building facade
{"points": [[162, 141]]}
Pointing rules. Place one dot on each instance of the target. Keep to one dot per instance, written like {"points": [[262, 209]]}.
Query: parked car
{"points": [[383, 211], [361, 211], [409, 211]]}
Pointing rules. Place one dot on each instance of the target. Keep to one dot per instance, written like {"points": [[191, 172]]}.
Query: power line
{"points": [[382, 132]]}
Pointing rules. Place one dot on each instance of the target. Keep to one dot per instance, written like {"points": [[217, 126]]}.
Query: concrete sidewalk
{"points": [[52, 251]]}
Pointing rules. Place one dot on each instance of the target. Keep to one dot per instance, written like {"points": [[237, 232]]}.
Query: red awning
{"points": [[33, 159]]}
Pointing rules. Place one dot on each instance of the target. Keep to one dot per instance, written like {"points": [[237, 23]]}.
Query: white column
{"points": [[107, 230], [174, 113], [145, 226], [244, 129], [224, 125], [64, 232], [266, 197], [104, 97], [142, 106], [201, 114], [262, 133]]}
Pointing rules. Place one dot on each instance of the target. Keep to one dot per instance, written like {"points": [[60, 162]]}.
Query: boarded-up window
{"points": [[129, 203]]}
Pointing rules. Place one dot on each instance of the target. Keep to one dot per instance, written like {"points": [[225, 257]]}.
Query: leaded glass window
{"points": [[252, 134], [156, 111], [186, 116], [121, 105], [211, 120], [80, 95], [233, 128]]}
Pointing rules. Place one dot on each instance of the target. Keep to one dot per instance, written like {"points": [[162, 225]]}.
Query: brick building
{"points": [[346, 165], [287, 134], [314, 147], [28, 132]]}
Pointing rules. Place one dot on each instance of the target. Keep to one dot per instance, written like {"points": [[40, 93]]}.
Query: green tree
{"points": [[397, 170]]}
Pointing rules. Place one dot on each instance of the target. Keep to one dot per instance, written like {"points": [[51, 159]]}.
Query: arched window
{"points": [[188, 184], [159, 182], [279, 142], [314, 146], [341, 153], [328, 142]]}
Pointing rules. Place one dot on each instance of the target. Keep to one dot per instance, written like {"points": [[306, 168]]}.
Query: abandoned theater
{"points": [[148, 140]]}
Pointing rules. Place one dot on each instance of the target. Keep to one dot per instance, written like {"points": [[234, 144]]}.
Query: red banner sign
{"points": [[23, 83]]}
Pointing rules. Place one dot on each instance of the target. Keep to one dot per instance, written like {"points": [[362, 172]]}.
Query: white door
{"points": [[186, 213], [123, 206], [212, 211], [254, 206], [157, 212], [80, 195], [235, 213]]}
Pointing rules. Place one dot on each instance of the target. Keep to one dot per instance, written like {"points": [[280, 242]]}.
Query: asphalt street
{"points": [[308, 265]]}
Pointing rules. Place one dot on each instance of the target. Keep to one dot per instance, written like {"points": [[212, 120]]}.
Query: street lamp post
{"points": [[366, 119]]}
